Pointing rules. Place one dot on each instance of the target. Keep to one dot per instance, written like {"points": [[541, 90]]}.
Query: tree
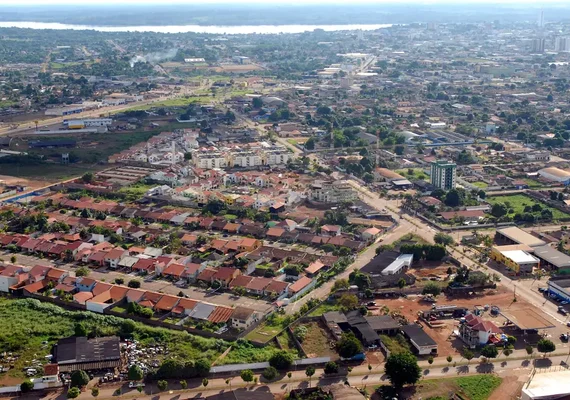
{"points": [[489, 351], [310, 144], [430, 360], [269, 373], [87, 177], [205, 382], [247, 375], [95, 392], [529, 350], [134, 283], [401, 283], [340, 284], [443, 239], [26, 386], [281, 360], [257, 102], [183, 384], [135, 373], [82, 271], [402, 368], [73, 393], [431, 288], [80, 330], [452, 198], [499, 210], [545, 346], [348, 302], [13, 259], [348, 345], [449, 359], [119, 281], [79, 379], [203, 367], [331, 367], [468, 355], [162, 385], [310, 371], [399, 150]]}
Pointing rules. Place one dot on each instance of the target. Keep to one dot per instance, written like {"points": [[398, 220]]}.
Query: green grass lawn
{"points": [[476, 387], [413, 173], [532, 184], [479, 184], [47, 172], [137, 190], [323, 308], [519, 201], [264, 332]]}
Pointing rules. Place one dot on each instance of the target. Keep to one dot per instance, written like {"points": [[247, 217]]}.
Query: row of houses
{"points": [[98, 296]]}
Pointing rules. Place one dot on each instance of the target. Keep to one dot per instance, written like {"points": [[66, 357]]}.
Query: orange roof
{"points": [[174, 270], [220, 314], [275, 232], [101, 287], [166, 303], [82, 297], [314, 267], [300, 284]]}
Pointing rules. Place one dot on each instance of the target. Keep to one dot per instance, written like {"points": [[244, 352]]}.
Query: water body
{"points": [[214, 29]]}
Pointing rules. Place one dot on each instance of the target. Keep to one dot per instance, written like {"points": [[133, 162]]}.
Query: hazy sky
{"points": [[534, 3]]}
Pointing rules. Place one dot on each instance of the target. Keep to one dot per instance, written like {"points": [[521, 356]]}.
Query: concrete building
{"points": [[443, 174], [475, 331], [518, 261], [562, 43], [547, 384], [399, 264], [514, 235], [555, 175], [423, 344], [332, 192], [538, 45]]}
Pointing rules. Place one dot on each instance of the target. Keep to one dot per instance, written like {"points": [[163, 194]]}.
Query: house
{"points": [[300, 286], [241, 281], [423, 344], [174, 271], [166, 303], [475, 331], [220, 314], [225, 275], [258, 285], [82, 297], [144, 265], [56, 275], [287, 224], [128, 262], [97, 258], [330, 230], [276, 288], [243, 317], [370, 234], [248, 244], [113, 257], [314, 268], [184, 306], [37, 273], [274, 233], [202, 311], [206, 275], [35, 287], [191, 271], [85, 284]]}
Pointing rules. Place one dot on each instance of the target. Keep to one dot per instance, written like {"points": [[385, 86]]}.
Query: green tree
{"points": [[310, 144], [499, 210], [431, 288], [348, 302], [134, 283], [135, 373], [119, 281], [331, 367], [468, 355], [26, 386], [348, 345], [203, 367], [79, 379], [162, 385], [453, 198], [269, 373], [545, 346], [183, 384], [402, 368], [529, 350], [80, 330], [257, 102], [205, 382], [489, 351], [443, 239], [401, 283], [82, 271], [95, 392], [247, 375], [340, 284], [449, 359], [281, 360], [430, 360], [13, 259], [73, 393], [310, 371], [87, 177]]}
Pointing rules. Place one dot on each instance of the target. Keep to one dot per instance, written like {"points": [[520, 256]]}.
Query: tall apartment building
{"points": [[538, 45], [562, 44], [443, 174]]}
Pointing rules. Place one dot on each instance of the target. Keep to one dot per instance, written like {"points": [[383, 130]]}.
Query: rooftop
{"points": [[519, 236]]}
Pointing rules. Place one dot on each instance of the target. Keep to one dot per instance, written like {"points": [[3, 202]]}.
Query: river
{"points": [[214, 29]]}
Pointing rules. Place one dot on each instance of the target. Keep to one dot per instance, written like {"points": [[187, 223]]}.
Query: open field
{"points": [[518, 202], [176, 102], [480, 184], [413, 173], [49, 173], [317, 342], [29, 183], [532, 184], [477, 387]]}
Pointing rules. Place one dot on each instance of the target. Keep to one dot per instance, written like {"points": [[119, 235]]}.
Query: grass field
{"points": [[479, 184], [532, 184], [48, 172], [519, 201], [316, 342], [476, 387], [323, 308], [413, 173]]}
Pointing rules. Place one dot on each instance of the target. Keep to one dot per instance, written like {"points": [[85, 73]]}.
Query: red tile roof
{"points": [[220, 314]]}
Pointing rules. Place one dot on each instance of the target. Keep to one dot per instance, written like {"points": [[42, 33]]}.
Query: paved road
{"points": [[360, 376]]}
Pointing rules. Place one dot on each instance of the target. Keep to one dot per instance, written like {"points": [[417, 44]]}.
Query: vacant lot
{"points": [[413, 173], [519, 201], [478, 387], [317, 343], [480, 184]]}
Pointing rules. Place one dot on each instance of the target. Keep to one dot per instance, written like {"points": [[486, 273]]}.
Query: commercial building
{"points": [[422, 342], [79, 353], [555, 175], [87, 123], [546, 384], [475, 331], [399, 264], [514, 235], [560, 288], [443, 174], [552, 258], [332, 192], [516, 260]]}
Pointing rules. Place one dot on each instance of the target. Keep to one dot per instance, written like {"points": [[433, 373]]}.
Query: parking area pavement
{"points": [[155, 285]]}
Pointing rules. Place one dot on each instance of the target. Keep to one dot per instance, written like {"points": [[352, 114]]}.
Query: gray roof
{"points": [[382, 322], [418, 335], [202, 311], [178, 219], [74, 350], [239, 367], [335, 316], [552, 256]]}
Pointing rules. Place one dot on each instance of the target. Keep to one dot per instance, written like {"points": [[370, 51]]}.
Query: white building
{"points": [[443, 174], [332, 192], [403, 261]]}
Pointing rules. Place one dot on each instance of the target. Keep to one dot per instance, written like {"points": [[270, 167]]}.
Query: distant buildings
{"points": [[253, 155], [538, 45], [443, 174], [562, 44], [332, 192], [555, 175]]}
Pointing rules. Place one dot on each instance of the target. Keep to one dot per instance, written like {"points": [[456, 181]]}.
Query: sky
{"points": [[534, 3]]}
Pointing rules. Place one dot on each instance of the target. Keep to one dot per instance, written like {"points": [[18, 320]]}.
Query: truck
{"points": [[356, 357]]}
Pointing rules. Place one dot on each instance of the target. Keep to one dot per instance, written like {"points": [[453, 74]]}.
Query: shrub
{"points": [[281, 360], [162, 385], [331, 367], [73, 393], [134, 283], [270, 373], [26, 386], [79, 379]]}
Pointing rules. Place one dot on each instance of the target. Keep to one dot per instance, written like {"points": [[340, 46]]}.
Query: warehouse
{"points": [[514, 235], [422, 342], [555, 175], [560, 289], [552, 258], [516, 260], [79, 353], [87, 123]]}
